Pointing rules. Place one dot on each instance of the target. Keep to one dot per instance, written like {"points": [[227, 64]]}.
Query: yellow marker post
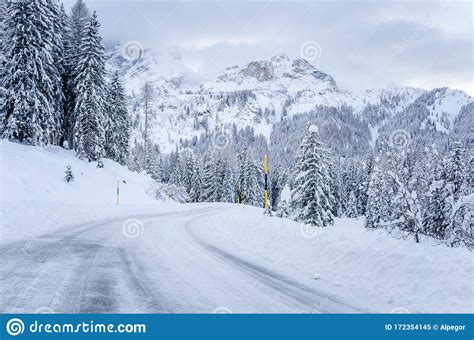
{"points": [[265, 170]]}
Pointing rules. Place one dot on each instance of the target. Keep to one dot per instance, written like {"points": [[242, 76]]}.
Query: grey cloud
{"points": [[356, 37]]}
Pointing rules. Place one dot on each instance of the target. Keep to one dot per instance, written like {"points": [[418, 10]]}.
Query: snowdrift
{"points": [[370, 269], [35, 198]]}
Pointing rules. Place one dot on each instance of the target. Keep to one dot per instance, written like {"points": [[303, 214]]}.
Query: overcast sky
{"points": [[362, 44]]}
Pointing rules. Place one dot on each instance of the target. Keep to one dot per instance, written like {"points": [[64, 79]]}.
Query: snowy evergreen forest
{"points": [[56, 90], [54, 86]]}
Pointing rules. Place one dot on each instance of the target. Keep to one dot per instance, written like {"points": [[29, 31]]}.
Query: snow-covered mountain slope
{"points": [[35, 198], [137, 66], [433, 118], [444, 106], [279, 74], [259, 94]]}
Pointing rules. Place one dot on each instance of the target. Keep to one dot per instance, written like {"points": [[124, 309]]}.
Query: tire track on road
{"points": [[27, 265], [280, 284]]}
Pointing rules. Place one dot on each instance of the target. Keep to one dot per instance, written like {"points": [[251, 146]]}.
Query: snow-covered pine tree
{"points": [[254, 189], [311, 197], [67, 105], [461, 226], [117, 132], [376, 201], [407, 210], [455, 170], [159, 164], [3, 12], [154, 170], [210, 186], [69, 177], [74, 32], [177, 169], [336, 170], [283, 209], [220, 175], [89, 110], [227, 183], [30, 74], [438, 212], [250, 179], [188, 164], [134, 163], [172, 162], [367, 168], [78, 22], [153, 166], [147, 94], [195, 192], [56, 70], [351, 210], [242, 180], [277, 182]]}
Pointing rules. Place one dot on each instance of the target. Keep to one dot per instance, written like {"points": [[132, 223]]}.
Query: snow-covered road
{"points": [[96, 268]]}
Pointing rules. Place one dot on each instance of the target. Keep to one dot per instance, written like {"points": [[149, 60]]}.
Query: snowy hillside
{"points": [[36, 199], [259, 94], [369, 269]]}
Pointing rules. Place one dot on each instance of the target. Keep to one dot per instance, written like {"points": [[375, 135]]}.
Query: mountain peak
{"points": [[279, 72], [261, 70], [280, 57]]}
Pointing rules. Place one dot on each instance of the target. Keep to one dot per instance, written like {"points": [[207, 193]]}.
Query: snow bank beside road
{"points": [[35, 199], [369, 269]]}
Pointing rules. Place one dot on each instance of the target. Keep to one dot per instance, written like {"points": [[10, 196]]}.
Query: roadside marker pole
{"points": [[118, 191], [265, 170]]}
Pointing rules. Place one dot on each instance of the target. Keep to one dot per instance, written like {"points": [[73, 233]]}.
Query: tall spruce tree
{"points": [[352, 206], [226, 182], [117, 132], [31, 76], [254, 188], [74, 32], [407, 205], [89, 110], [311, 197], [439, 210], [188, 164], [209, 179], [376, 200], [242, 180], [196, 183], [455, 170], [3, 12], [57, 69]]}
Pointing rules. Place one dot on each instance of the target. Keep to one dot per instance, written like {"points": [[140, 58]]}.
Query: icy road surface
{"points": [[166, 268]]}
